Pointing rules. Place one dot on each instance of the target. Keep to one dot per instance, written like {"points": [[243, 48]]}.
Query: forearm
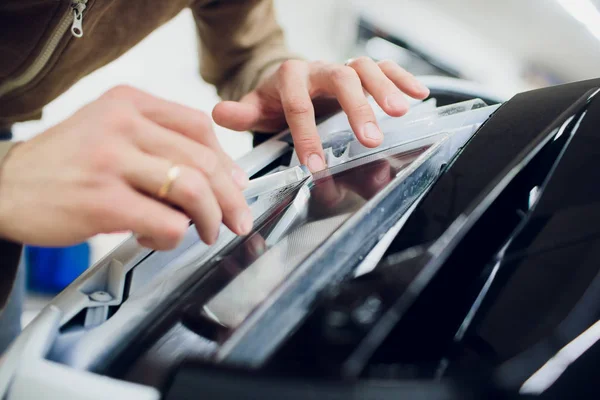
{"points": [[10, 252], [240, 42]]}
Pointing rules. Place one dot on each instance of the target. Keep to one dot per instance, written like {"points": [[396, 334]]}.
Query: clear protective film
{"points": [[298, 217], [304, 214], [320, 205], [422, 121]]}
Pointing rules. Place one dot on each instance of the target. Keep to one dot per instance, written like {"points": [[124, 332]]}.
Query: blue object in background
{"points": [[50, 270]]}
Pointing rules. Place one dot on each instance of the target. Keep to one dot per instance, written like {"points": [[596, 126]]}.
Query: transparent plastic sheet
{"points": [[399, 130], [275, 181], [292, 249], [247, 278], [280, 309], [338, 128], [457, 138], [311, 218], [339, 122], [424, 120], [262, 206]]}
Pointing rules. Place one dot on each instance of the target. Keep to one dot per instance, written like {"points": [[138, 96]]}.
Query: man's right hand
{"points": [[100, 170]]}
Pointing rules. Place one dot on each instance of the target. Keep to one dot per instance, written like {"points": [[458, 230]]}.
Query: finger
{"points": [[156, 140], [383, 90], [163, 231], [147, 242], [167, 146], [178, 118], [191, 191], [238, 116], [243, 116], [194, 125], [300, 115], [404, 80], [343, 82]]}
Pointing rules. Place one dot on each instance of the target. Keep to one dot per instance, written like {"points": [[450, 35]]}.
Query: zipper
{"points": [[78, 7], [73, 18]]}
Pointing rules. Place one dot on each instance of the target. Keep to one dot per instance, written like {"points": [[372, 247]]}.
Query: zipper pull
{"points": [[77, 27]]}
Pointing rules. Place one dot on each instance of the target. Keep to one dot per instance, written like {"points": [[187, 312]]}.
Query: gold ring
{"points": [[172, 175]]}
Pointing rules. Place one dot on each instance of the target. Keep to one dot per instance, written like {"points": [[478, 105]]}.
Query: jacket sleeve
{"points": [[239, 40]]}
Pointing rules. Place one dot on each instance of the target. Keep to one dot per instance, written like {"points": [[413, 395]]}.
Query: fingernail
{"points": [[397, 102], [245, 222], [315, 163], [372, 132], [239, 177]]}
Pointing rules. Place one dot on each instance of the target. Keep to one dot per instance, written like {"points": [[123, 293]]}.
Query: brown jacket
{"points": [[41, 57]]}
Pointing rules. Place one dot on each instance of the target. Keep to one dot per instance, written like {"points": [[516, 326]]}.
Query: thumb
{"points": [[237, 116]]}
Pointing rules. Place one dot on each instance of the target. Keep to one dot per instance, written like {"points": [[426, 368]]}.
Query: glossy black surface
{"points": [[495, 145], [512, 279], [406, 318], [547, 288]]}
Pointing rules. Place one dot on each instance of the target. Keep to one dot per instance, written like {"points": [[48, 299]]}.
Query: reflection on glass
{"points": [[317, 209]]}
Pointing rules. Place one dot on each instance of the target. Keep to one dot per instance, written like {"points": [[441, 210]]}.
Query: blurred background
{"points": [[508, 46]]}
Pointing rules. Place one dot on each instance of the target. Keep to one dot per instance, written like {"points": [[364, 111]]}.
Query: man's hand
{"points": [[296, 90], [100, 171]]}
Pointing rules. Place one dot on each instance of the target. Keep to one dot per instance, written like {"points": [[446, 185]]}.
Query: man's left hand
{"points": [[298, 90]]}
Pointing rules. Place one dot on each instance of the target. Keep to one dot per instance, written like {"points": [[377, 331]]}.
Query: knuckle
{"points": [[123, 111], [121, 92], [118, 117], [191, 189], [362, 109], [319, 64], [122, 122], [201, 121], [308, 143], [387, 64], [103, 158], [101, 213], [210, 164], [297, 106], [360, 61], [290, 67], [344, 75]]}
